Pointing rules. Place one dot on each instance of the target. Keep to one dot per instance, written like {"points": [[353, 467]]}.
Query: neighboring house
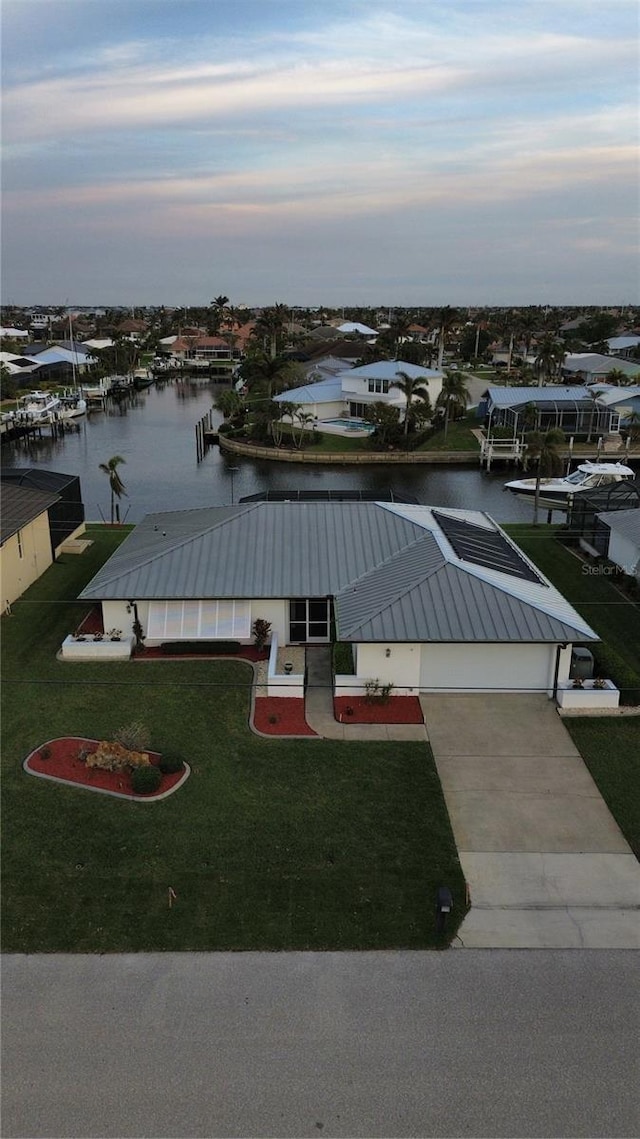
{"points": [[349, 327], [585, 506], [352, 391], [431, 600], [98, 343], [625, 401], [622, 535], [212, 352], [15, 333], [66, 514], [623, 346], [56, 356], [133, 330], [25, 541], [588, 367], [15, 365], [573, 409]]}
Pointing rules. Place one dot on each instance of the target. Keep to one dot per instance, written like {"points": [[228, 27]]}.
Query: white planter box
{"points": [[97, 650], [588, 696]]}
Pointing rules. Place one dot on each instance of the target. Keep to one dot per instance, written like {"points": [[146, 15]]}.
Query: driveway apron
{"points": [[546, 863]]}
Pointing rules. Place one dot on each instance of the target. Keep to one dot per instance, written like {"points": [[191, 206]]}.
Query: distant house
{"points": [[25, 541], [349, 327], [588, 367], [351, 392], [621, 532], [585, 507], [624, 346], [212, 352], [430, 599], [133, 330], [574, 410]]}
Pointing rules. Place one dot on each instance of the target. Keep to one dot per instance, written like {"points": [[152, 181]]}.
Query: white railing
{"points": [[284, 683]]}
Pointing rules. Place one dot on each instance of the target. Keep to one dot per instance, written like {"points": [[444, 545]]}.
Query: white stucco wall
{"points": [[277, 612], [115, 616], [625, 554], [401, 668], [500, 668]]}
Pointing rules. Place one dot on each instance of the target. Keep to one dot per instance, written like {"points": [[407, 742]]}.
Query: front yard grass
{"points": [[271, 844], [610, 748], [458, 437]]}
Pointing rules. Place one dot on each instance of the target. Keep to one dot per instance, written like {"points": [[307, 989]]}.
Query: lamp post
{"points": [[232, 471]]}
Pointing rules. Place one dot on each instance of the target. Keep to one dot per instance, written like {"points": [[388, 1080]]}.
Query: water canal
{"points": [[154, 431]]}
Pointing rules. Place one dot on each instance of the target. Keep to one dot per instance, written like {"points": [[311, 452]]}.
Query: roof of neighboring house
{"points": [[37, 479], [594, 363], [396, 572], [325, 391], [55, 355], [617, 343], [626, 523], [20, 506], [609, 394], [13, 333], [390, 370], [549, 394], [133, 326], [355, 326]]}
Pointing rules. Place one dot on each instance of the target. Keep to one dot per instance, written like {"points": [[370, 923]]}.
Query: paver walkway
{"points": [[546, 863], [318, 706]]}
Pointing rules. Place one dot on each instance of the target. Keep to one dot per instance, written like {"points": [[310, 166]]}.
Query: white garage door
{"points": [[199, 620], [500, 668]]}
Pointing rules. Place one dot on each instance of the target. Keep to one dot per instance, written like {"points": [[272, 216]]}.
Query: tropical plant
{"points": [[116, 484], [416, 388], [454, 396], [447, 317], [549, 358], [270, 326], [145, 780], [386, 420], [616, 377], [260, 631], [542, 450], [230, 403], [134, 736]]}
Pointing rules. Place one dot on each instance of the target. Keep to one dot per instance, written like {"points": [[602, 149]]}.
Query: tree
{"points": [[616, 377], [386, 420], [230, 403], [116, 484], [542, 449], [446, 318], [219, 306], [549, 358], [453, 396], [270, 326], [412, 389]]}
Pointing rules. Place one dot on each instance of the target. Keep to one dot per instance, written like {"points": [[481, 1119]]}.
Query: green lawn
{"points": [[613, 616], [269, 845], [458, 437], [611, 750]]}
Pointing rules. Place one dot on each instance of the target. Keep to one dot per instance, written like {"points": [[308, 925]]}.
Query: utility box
{"points": [[581, 665]]}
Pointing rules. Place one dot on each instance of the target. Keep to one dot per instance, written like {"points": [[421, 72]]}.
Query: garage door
{"points": [[199, 620], [501, 668]]}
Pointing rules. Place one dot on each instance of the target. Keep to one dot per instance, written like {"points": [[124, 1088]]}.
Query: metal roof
{"points": [[390, 567], [37, 479], [623, 522], [550, 393], [20, 506], [325, 391]]}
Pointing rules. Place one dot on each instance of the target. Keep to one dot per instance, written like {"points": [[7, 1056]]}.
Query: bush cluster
{"points": [[145, 780], [134, 736], [170, 763], [611, 666], [207, 648]]}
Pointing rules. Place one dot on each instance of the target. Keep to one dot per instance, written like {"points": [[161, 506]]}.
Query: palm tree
{"points": [[616, 377], [446, 318], [542, 449], [454, 394], [549, 358], [116, 484], [412, 389], [230, 403], [270, 326]]}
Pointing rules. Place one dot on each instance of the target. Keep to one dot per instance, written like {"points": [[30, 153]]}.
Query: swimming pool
{"points": [[348, 425]]}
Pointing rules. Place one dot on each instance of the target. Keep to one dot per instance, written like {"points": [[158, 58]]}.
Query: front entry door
{"points": [[309, 620]]}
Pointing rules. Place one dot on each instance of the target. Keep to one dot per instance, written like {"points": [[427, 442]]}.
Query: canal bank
{"points": [[347, 458]]}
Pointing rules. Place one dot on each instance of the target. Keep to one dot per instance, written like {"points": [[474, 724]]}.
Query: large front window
{"points": [[309, 620], [379, 387]]}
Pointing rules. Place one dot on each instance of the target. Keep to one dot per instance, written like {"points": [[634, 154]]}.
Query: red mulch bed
{"points": [[63, 763], [397, 710], [92, 623], [289, 715], [247, 652]]}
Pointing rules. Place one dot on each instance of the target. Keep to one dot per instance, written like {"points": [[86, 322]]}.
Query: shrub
{"points": [[134, 736], [145, 780], [261, 630], [45, 752], [206, 648], [169, 763], [343, 658], [611, 666]]}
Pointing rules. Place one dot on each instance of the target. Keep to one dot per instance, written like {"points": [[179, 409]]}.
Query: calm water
{"points": [[154, 431]]}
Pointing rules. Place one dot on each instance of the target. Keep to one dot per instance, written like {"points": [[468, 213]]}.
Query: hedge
{"points": [[208, 648], [610, 665]]}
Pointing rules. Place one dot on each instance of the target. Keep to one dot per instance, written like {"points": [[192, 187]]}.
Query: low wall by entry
{"points": [[97, 650], [588, 696], [282, 683]]}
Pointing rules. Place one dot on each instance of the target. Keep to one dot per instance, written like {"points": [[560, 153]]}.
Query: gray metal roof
{"points": [[20, 506], [550, 393], [623, 522], [390, 567]]}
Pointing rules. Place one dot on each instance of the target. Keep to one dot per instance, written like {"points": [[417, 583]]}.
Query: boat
{"points": [[38, 407], [73, 406], [142, 378], [558, 492]]}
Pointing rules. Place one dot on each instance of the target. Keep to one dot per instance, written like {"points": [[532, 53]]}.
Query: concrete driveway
{"points": [[546, 863]]}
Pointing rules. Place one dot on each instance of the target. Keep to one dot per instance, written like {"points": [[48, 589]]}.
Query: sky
{"points": [[407, 152]]}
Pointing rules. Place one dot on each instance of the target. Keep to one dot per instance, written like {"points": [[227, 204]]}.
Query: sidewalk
{"points": [[319, 707]]}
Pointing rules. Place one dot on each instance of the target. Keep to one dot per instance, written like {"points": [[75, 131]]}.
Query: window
{"points": [[309, 619], [193, 620], [379, 387], [20, 549]]}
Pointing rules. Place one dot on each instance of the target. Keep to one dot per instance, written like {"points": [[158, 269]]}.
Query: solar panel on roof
{"points": [[482, 547]]}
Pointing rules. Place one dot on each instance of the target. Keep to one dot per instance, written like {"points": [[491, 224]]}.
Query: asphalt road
{"points": [[468, 1042]]}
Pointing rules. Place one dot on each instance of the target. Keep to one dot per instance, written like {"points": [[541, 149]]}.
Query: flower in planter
{"points": [[578, 682], [98, 636], [78, 636], [600, 682], [114, 634]]}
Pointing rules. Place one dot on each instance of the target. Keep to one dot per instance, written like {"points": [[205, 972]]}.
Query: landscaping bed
{"points": [[280, 716], [60, 760], [396, 710]]}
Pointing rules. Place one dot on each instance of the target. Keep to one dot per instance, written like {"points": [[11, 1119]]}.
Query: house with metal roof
{"points": [[429, 599], [573, 409], [353, 390], [66, 514], [593, 366], [622, 534]]}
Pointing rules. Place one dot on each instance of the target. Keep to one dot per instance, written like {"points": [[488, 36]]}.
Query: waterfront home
{"points": [[429, 599], [589, 367], [351, 392], [573, 409], [65, 514], [25, 541]]}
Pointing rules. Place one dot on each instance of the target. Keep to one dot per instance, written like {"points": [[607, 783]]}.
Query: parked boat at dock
{"points": [[557, 492]]}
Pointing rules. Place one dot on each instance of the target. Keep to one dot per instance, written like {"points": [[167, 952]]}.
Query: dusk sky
{"points": [[401, 153]]}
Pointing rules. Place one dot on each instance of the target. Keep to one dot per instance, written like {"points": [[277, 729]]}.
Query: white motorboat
{"points": [[72, 406], [39, 407], [557, 492]]}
